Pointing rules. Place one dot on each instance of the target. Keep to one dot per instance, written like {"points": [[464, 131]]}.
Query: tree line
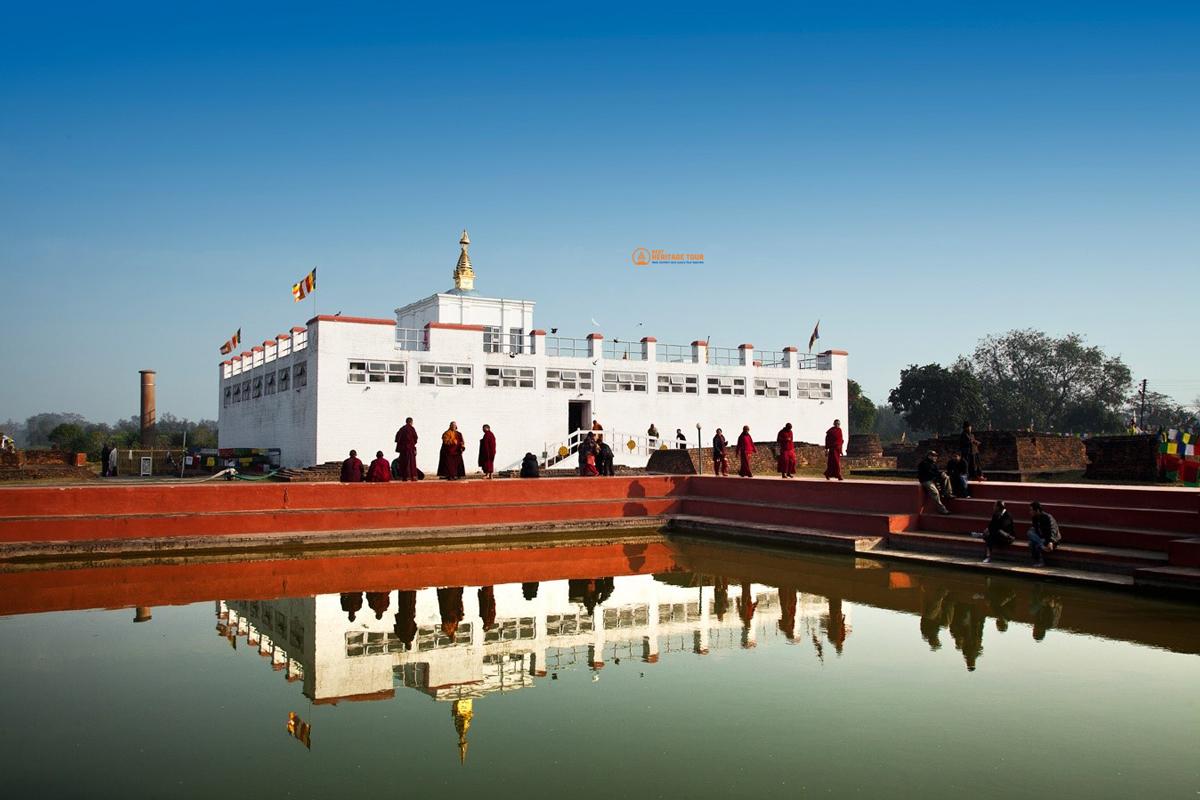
{"points": [[75, 433], [1020, 380]]}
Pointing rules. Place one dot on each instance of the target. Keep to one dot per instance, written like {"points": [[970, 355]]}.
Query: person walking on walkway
{"points": [[487, 452], [999, 533], [787, 451], [352, 469], [406, 451], [745, 449], [1044, 536], [934, 481], [834, 440], [720, 459]]}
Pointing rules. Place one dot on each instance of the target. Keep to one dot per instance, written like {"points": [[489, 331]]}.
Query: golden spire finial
{"points": [[464, 274], [462, 711]]}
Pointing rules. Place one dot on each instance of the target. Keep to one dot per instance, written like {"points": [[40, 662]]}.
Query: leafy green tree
{"points": [[937, 399], [1158, 411], [1030, 379], [862, 410]]}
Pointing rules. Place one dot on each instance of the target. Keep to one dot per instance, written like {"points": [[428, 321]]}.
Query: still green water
{"points": [[698, 670]]}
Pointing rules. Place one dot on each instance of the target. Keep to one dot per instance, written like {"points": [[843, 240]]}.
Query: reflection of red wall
{"points": [[180, 584]]}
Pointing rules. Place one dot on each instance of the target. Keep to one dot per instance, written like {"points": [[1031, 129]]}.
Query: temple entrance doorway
{"points": [[579, 415]]}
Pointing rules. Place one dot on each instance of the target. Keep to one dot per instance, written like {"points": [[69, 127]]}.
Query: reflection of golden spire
{"points": [[464, 273], [462, 711]]}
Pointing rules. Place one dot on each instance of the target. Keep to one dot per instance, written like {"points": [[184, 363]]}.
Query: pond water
{"points": [[647, 667]]}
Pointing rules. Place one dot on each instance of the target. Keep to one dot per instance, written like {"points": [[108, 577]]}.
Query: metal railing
{"points": [[566, 347], [674, 354], [725, 356], [623, 351]]}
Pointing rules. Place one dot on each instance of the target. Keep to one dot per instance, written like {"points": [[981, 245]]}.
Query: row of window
{"points": [[431, 374], [295, 376]]}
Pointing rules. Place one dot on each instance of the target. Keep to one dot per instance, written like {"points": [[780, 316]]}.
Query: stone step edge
{"points": [[289, 543], [982, 521], [797, 535], [1067, 549]]}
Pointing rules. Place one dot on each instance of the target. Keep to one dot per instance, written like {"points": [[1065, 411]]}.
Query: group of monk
{"points": [[404, 466], [834, 441]]}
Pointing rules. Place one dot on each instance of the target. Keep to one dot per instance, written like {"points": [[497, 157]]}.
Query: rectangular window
{"points": [[284, 376], [624, 381], [678, 384], [491, 339], [357, 373], [772, 387], [300, 374], [569, 379], [814, 390], [396, 372], [228, 396], [269, 382], [726, 385], [237, 393], [444, 375], [257, 387], [516, 340], [514, 377], [376, 372], [245, 390]]}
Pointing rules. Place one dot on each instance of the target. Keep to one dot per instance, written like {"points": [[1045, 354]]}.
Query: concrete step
{"points": [[878, 496], [153, 526], [1184, 553], [1150, 519], [1098, 535], [1118, 560], [792, 534], [1183, 580], [865, 523], [1166, 497]]}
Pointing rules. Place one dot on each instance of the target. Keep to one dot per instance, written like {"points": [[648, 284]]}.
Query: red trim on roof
{"points": [[257, 347], [247, 354], [454, 326], [648, 339], [595, 336], [537, 332], [354, 320], [223, 363], [790, 350], [698, 342], [268, 342], [745, 347], [283, 336], [835, 353], [298, 329]]}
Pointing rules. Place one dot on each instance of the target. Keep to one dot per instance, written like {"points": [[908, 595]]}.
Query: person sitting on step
{"points": [[1044, 536], [999, 533], [934, 481]]}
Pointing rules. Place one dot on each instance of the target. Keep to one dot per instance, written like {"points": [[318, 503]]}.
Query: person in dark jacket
{"points": [[968, 448], [1044, 536], [352, 469], [720, 459], [604, 460], [999, 533], [956, 468], [587, 455], [680, 439], [934, 481], [104, 451], [529, 466]]}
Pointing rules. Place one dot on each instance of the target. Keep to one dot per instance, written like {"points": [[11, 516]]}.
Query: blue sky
{"points": [[916, 176]]}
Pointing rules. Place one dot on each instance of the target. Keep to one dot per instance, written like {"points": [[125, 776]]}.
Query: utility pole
{"points": [[1142, 406]]}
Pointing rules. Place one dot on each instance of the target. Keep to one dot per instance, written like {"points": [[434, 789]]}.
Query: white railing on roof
{"points": [[623, 351], [674, 354], [563, 346], [725, 356], [412, 338]]}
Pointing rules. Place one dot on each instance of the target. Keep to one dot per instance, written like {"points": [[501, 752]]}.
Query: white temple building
{"points": [[340, 383]]}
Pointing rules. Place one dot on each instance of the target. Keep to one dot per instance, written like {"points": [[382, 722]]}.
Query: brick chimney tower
{"points": [[148, 413]]}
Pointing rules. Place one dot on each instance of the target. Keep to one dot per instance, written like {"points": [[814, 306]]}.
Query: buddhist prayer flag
{"points": [[306, 286], [234, 342], [816, 334]]}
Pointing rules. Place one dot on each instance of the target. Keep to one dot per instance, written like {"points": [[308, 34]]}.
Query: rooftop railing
{"points": [[674, 354], [623, 351], [725, 356], [566, 347]]}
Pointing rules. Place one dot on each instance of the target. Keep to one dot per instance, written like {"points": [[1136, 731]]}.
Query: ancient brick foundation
{"points": [[1009, 451], [1123, 458]]}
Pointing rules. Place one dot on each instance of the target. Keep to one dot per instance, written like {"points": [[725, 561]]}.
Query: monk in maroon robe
{"points": [[450, 460], [745, 449], [487, 607], [450, 606], [406, 449], [352, 603], [380, 470], [833, 444], [352, 469], [487, 452], [406, 617], [379, 602], [787, 452]]}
